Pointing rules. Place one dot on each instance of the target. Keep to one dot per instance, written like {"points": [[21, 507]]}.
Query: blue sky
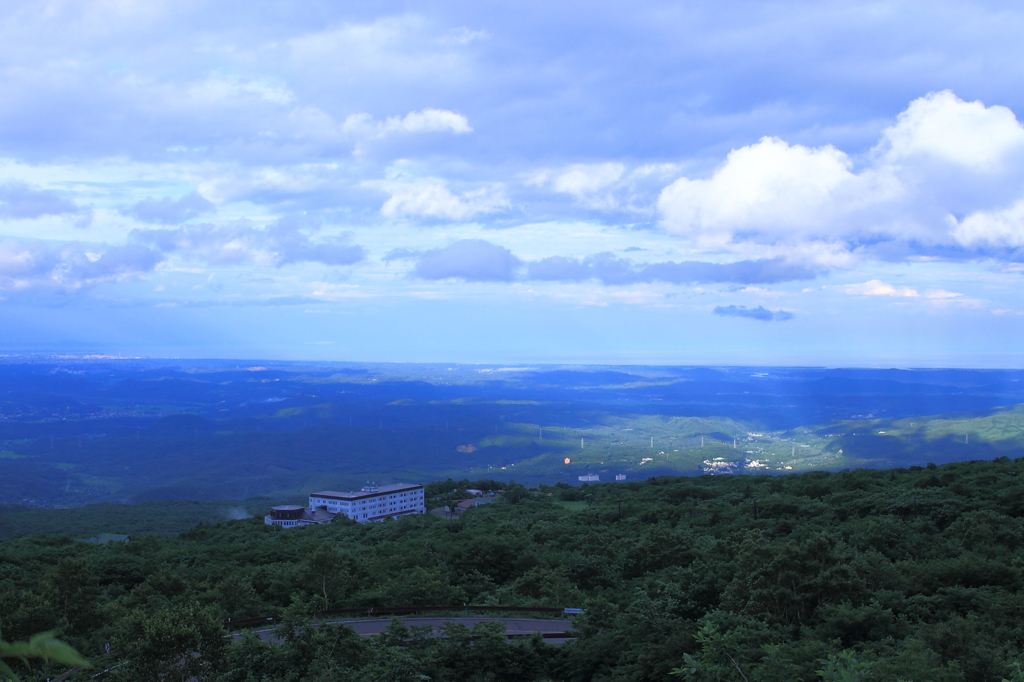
{"points": [[798, 183]]}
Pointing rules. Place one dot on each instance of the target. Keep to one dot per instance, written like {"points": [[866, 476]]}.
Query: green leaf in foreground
{"points": [[44, 645]]}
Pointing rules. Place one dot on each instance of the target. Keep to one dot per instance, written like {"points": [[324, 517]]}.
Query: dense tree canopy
{"points": [[884, 575]]}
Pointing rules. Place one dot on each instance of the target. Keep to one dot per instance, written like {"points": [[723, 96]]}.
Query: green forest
{"points": [[908, 574]]}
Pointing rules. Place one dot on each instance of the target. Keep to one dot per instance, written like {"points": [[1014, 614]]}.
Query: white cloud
{"points": [[770, 190], [607, 186], [942, 294], [942, 157], [463, 36], [583, 179], [433, 199], [1000, 227], [761, 291], [279, 180], [424, 121], [757, 186], [430, 120], [877, 287], [941, 126]]}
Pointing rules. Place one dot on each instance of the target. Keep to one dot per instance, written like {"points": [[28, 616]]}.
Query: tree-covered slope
{"points": [[912, 574]]}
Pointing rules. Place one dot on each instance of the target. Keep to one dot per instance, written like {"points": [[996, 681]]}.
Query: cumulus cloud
{"points": [[20, 200], [285, 241], [759, 313], [940, 126], [39, 266], [942, 158], [472, 260], [609, 269], [766, 192], [167, 211], [433, 199], [583, 179], [1001, 227]]}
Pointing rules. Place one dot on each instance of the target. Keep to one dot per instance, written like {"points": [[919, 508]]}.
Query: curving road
{"points": [[513, 626]]}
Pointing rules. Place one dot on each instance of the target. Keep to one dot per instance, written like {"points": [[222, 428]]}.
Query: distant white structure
{"points": [[589, 478], [620, 477], [293, 516], [372, 503]]}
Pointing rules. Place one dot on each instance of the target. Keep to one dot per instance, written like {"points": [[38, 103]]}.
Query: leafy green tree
{"points": [[178, 642], [516, 492], [844, 667], [925, 589], [70, 590], [391, 664], [236, 596], [720, 657], [24, 612], [323, 565]]}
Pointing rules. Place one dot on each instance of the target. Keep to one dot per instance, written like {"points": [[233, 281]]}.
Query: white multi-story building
{"points": [[372, 503]]}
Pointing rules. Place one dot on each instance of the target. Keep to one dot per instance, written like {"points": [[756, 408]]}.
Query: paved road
{"points": [[513, 626]]}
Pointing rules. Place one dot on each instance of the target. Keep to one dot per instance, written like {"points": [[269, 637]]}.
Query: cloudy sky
{"points": [[801, 183]]}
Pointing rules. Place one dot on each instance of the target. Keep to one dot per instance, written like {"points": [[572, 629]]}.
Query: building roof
{"points": [[304, 516], [104, 538], [317, 515], [362, 494]]}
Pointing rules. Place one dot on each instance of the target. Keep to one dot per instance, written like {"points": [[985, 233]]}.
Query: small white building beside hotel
{"points": [[372, 503]]}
